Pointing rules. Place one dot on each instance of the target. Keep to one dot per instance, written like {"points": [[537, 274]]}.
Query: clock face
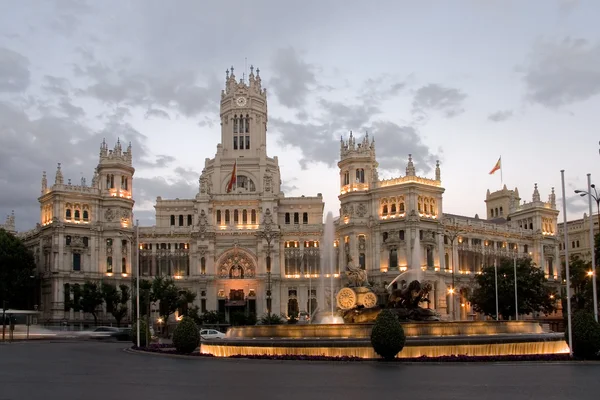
{"points": [[241, 101]]}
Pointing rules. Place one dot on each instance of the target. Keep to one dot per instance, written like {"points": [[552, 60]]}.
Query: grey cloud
{"points": [[55, 85], [30, 145], [566, 7], [179, 92], [393, 144], [156, 113], [501, 115], [381, 88], [14, 71], [187, 174], [576, 206], [347, 116], [439, 98], [151, 188], [562, 73], [288, 187], [291, 77], [317, 141]]}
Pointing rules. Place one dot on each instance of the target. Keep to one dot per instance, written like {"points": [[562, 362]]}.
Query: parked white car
{"points": [[207, 334]]}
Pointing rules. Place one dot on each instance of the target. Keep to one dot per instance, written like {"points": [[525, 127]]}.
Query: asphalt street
{"points": [[90, 370]]}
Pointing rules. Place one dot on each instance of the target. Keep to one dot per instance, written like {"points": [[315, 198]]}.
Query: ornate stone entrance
{"points": [[236, 264]]}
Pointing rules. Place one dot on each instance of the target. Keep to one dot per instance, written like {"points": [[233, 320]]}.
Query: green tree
{"points": [[169, 298], [533, 293], [17, 268], [87, 299], [582, 297], [145, 298], [116, 300]]}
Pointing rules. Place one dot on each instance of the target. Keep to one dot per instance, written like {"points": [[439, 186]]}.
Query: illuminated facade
{"points": [[396, 225], [579, 237], [85, 232], [242, 245]]}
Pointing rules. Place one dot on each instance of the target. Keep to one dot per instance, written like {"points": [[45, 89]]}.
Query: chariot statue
{"points": [[357, 294]]}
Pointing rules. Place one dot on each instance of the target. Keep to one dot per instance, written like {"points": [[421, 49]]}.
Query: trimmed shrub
{"points": [[586, 335], [144, 333], [186, 337], [387, 336]]}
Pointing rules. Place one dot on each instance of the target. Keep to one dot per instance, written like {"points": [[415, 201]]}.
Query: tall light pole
{"points": [[566, 232], [137, 276], [137, 280], [452, 231], [268, 234], [516, 297], [596, 198]]}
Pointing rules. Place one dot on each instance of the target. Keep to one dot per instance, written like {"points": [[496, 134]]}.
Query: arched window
{"points": [[236, 216], [287, 218], [393, 208], [109, 266], [235, 124], [360, 175], [172, 220], [203, 266], [218, 216], [77, 215], [226, 216], [68, 213], [181, 220], [305, 218], [247, 124], [253, 217], [244, 217], [86, 215], [346, 178], [385, 209], [402, 207]]}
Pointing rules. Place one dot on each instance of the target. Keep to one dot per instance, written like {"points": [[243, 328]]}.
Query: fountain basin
{"points": [[431, 339]]}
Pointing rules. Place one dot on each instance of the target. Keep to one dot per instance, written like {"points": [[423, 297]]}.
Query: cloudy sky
{"points": [[459, 81]]}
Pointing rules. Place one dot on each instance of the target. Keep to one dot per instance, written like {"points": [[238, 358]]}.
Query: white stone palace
{"points": [[241, 244]]}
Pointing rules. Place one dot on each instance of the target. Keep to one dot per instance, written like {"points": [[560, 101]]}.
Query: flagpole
{"points": [[501, 177], [564, 197]]}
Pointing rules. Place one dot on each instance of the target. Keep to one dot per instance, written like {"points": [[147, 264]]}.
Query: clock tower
{"points": [[243, 116]]}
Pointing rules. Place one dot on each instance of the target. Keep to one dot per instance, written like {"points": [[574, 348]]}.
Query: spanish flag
{"points": [[497, 166], [233, 179]]}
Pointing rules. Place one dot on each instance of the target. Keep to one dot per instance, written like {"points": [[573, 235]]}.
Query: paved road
{"points": [[90, 371]]}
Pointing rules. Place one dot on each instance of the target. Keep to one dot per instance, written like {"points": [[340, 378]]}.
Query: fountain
{"points": [[347, 332], [328, 266]]}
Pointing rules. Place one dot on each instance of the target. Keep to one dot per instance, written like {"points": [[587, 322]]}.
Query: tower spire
{"points": [[58, 179], [410, 168]]}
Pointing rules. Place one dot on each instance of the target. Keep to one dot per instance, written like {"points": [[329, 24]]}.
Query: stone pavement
{"points": [[102, 370]]}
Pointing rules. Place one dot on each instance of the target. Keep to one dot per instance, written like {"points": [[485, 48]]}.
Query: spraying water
{"points": [[328, 267], [414, 272], [415, 262]]}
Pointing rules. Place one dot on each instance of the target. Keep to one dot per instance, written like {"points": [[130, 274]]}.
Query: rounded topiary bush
{"points": [[186, 336], [387, 336], [144, 333], [586, 335]]}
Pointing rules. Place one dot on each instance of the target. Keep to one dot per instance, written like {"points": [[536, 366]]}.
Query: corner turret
{"points": [[358, 166]]}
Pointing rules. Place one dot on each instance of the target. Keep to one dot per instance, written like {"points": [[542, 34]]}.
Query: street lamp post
{"points": [[268, 235], [452, 231], [137, 278], [596, 198]]}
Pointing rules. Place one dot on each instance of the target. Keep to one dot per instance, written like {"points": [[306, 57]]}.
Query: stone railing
{"points": [[406, 179]]}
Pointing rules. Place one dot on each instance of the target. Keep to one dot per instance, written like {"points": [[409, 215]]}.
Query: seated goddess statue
{"points": [[356, 275]]}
